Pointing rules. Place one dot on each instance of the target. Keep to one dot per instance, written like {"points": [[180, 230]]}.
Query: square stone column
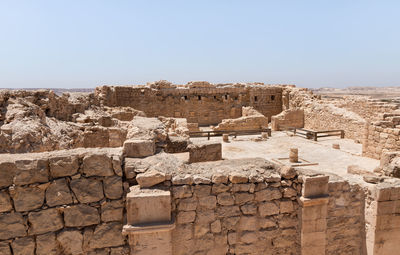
{"points": [[149, 225], [314, 202]]}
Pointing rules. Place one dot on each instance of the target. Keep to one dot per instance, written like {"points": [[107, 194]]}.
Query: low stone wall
{"points": [[235, 216], [66, 202], [380, 136], [251, 120], [288, 118]]}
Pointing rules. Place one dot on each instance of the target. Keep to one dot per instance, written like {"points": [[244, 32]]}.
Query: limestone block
{"points": [[219, 178], [145, 244], [201, 190], [23, 246], [315, 186], [87, 190], [150, 178], [268, 194], [205, 152], [208, 202], [181, 191], [31, 171], [44, 221], [267, 223], [268, 209], [112, 211], [81, 215], [148, 205], [107, 235], [187, 204], [225, 198], [286, 206], [228, 211], [97, 165], [5, 248], [70, 242], [58, 193], [46, 244], [248, 223], [7, 172], [113, 187], [225, 138], [205, 216], [288, 172], [236, 177], [243, 197], [182, 180], [289, 192], [249, 209], [27, 198], [216, 226], [198, 179], [116, 163], [139, 148], [186, 217], [5, 202], [12, 225], [63, 166]]}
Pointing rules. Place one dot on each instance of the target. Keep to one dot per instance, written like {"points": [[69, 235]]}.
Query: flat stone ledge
{"points": [[148, 228], [304, 201]]}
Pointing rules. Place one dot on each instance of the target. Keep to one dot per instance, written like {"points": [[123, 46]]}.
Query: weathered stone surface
{"points": [[87, 190], [11, 225], [112, 211], [31, 171], [70, 242], [139, 148], [44, 221], [288, 172], [219, 178], [46, 244], [23, 246], [268, 194], [117, 165], [81, 215], [206, 151], [97, 165], [63, 166], [7, 172], [267, 209], [238, 178], [107, 235], [5, 248], [5, 202], [27, 198], [181, 191], [58, 193], [113, 187], [120, 251], [150, 178]]}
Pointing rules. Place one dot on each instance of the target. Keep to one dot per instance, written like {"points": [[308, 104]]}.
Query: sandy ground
{"points": [[321, 152]]}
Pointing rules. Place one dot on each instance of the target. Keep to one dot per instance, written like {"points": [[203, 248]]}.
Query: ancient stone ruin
{"points": [[198, 169]]}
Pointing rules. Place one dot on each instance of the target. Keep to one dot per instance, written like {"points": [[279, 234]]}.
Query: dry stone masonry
{"points": [[118, 172]]}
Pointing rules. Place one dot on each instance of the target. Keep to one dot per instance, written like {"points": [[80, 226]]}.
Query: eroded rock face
{"points": [[390, 164]]}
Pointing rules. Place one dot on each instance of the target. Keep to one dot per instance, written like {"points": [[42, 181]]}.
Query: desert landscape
{"points": [[200, 168]]}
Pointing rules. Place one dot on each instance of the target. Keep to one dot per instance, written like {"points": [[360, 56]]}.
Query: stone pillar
{"points": [[225, 138], [314, 202], [294, 155], [149, 225]]}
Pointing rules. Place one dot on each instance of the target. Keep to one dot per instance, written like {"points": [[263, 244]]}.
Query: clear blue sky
{"points": [[83, 43]]}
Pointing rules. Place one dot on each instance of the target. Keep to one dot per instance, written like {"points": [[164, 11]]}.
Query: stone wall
{"points": [[288, 118], [251, 120], [345, 218], [235, 216], [206, 104], [380, 136], [67, 202]]}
